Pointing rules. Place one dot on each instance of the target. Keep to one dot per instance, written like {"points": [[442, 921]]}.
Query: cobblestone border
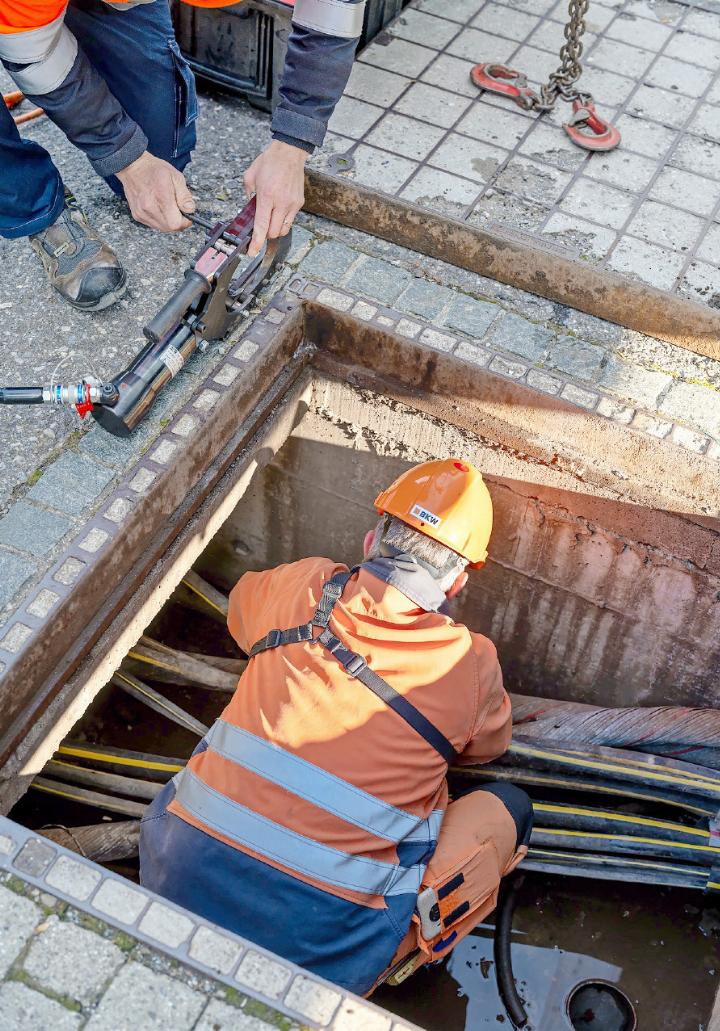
{"points": [[210, 951]]}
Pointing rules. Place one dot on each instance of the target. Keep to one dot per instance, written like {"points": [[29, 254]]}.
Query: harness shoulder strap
{"points": [[355, 665]]}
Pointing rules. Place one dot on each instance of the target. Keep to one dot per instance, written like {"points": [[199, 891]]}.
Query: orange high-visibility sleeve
{"points": [[25, 15], [492, 732]]}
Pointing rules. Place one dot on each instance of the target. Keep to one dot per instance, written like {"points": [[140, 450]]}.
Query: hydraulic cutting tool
{"points": [[217, 289]]}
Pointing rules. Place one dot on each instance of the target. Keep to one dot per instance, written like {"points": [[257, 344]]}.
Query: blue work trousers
{"points": [[136, 53]]}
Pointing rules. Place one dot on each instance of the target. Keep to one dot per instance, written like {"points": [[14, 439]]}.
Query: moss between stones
{"points": [[17, 974]]}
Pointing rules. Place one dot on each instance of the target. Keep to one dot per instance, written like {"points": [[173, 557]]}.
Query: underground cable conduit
{"points": [[616, 868], [584, 818]]}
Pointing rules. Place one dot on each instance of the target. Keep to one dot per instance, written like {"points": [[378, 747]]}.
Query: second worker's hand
{"points": [[156, 193], [277, 179]]}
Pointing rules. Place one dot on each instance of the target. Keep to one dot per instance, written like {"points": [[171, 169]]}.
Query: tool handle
{"points": [[172, 312], [21, 395]]}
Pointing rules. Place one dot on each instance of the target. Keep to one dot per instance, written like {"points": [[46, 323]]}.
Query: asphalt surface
{"points": [[42, 338]]}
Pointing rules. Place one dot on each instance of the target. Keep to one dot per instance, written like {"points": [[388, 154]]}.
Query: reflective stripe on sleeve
{"points": [[342, 18], [314, 784], [289, 849], [46, 54]]}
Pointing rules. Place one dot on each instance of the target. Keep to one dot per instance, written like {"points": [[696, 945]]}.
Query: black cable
{"points": [[503, 955]]}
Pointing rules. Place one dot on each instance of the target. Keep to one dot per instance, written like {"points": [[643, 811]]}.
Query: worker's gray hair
{"points": [[445, 563]]}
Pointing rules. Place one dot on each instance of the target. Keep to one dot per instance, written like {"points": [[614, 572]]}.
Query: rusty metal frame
{"points": [[512, 258]]}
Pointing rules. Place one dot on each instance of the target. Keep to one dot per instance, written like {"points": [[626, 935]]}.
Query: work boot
{"points": [[80, 266]]}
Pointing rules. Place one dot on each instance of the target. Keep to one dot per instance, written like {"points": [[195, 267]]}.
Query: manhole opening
{"points": [[580, 605]]}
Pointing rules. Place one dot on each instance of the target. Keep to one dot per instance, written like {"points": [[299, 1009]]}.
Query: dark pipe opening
{"points": [[600, 1006]]}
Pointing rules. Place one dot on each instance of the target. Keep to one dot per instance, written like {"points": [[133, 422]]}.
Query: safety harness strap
{"points": [[355, 665]]}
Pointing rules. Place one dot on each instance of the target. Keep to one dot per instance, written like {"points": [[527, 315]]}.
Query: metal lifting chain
{"points": [[563, 80]]}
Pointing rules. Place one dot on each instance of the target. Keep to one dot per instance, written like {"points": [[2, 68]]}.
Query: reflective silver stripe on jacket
{"points": [[343, 18], [290, 849], [317, 785], [127, 4], [48, 54]]}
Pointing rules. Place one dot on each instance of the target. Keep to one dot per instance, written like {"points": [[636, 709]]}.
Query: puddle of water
{"points": [[645, 939]]}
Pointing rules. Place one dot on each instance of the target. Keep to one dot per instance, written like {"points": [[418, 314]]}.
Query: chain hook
{"points": [[498, 78], [588, 130]]}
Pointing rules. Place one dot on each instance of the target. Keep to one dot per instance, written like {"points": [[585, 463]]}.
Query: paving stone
{"points": [[620, 57], [263, 974], [587, 239], [540, 61], [688, 46], [142, 479], [355, 1015], [645, 261], [23, 1008], [516, 334], [531, 179], [34, 857], [470, 352], [669, 73], [659, 223], [692, 192], [220, 1017], [617, 412], [577, 358], [651, 424], [73, 878], [353, 118], [469, 158], [71, 483], [622, 168], [399, 55], [406, 136], [15, 638], [31, 529], [440, 341], [614, 89], [374, 85], [698, 155], [419, 27], [494, 125], [119, 452], [451, 73], [214, 949], [471, 42], [119, 901], [364, 311], [430, 104], [596, 201], [408, 328], [641, 386], [18, 918], [505, 209], [329, 260], [625, 27], [460, 10], [247, 350], [706, 122], [589, 327], [381, 170], [644, 137], [312, 1000], [14, 571], [425, 299], [688, 438], [186, 424], [577, 396], [661, 105], [118, 510], [695, 404], [505, 21], [168, 926], [7, 847], [543, 381], [547, 37], [471, 316], [709, 247], [505, 367], [94, 540], [72, 961], [552, 145], [139, 998], [702, 281], [379, 279], [440, 191]]}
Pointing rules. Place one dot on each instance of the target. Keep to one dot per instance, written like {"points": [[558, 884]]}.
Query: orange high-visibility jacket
{"points": [[298, 714]]}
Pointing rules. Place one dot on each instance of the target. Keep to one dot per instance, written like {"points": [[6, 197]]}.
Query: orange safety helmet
{"points": [[447, 500]]}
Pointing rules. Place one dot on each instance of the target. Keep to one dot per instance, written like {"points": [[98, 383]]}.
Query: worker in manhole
{"points": [[314, 816], [110, 74]]}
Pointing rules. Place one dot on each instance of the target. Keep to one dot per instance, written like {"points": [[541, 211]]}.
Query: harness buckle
{"points": [[428, 910], [354, 664], [273, 638]]}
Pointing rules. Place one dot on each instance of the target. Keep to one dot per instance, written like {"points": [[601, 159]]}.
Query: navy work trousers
{"points": [[135, 52]]}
